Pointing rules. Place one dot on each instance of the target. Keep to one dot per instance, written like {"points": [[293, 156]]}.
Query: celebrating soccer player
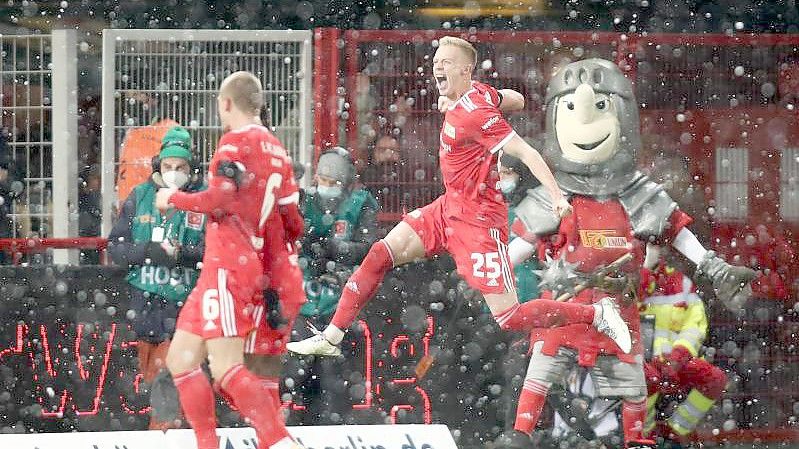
{"points": [[221, 311], [470, 220]]}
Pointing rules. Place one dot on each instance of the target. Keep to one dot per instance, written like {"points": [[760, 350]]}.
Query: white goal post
{"points": [[175, 74]]}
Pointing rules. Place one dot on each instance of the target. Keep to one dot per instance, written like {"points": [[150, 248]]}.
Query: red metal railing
{"points": [[22, 246]]}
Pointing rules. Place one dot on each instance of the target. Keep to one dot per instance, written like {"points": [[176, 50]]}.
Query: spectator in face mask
{"points": [[161, 252], [340, 227]]}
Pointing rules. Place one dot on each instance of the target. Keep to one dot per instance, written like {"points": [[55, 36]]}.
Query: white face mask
{"points": [[328, 192], [507, 186], [175, 179]]}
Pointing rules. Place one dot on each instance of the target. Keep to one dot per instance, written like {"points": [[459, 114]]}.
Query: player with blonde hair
{"points": [[470, 220]]}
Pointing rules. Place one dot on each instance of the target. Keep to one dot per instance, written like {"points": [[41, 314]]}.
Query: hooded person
{"points": [[340, 227], [592, 136], [161, 252]]}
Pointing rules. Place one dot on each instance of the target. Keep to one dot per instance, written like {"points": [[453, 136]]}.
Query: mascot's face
{"points": [[587, 126]]}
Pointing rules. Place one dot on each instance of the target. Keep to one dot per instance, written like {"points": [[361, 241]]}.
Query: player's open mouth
{"points": [[591, 146], [441, 81]]}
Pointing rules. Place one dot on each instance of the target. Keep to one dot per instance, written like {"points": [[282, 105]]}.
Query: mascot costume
{"points": [[592, 136]]}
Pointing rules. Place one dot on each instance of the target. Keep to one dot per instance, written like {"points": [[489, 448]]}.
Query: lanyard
{"points": [[168, 228], [168, 217]]}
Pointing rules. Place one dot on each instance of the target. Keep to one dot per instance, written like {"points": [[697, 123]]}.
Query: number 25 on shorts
{"points": [[486, 265]]}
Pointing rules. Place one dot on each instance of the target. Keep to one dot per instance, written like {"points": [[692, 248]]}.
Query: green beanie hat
{"points": [[176, 143]]}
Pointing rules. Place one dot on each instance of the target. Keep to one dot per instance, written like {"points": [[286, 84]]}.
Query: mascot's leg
{"points": [[614, 378], [542, 372], [633, 415], [707, 383]]}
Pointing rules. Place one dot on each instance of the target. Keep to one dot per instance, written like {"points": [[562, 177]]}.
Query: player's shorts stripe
{"points": [[258, 314], [503, 142], [221, 286], [507, 275], [503, 317], [231, 312], [226, 311], [510, 285], [494, 232]]}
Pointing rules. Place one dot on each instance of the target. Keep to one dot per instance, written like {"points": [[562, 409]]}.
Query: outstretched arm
{"points": [[222, 187], [730, 283], [517, 147], [689, 246], [520, 250], [512, 101]]}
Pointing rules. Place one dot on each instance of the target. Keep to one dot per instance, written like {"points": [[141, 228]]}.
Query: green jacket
{"points": [[183, 229], [339, 239]]}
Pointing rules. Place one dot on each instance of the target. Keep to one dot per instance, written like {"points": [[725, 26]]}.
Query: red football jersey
{"points": [[281, 191], [236, 213], [473, 131], [595, 234], [277, 247]]}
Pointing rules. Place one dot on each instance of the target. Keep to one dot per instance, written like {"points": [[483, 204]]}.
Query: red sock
{"points": [[197, 401], [633, 415], [544, 313], [362, 285], [272, 385], [254, 401], [531, 402]]}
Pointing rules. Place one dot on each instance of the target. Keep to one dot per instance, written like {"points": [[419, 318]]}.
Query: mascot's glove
{"points": [[661, 376], [274, 312], [731, 284], [159, 256]]}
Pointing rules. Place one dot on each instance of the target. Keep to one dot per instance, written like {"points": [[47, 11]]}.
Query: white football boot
{"points": [[608, 320], [314, 345]]}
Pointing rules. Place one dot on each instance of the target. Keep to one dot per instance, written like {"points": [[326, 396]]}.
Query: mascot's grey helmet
{"points": [[615, 174]]}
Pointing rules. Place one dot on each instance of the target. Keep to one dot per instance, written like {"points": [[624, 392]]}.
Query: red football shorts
{"points": [[221, 304], [285, 277], [268, 341], [480, 250]]}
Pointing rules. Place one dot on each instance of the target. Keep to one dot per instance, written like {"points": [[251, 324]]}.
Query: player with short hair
{"points": [[470, 220], [220, 312]]}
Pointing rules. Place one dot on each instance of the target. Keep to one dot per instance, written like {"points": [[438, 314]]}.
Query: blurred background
{"points": [[717, 83]]}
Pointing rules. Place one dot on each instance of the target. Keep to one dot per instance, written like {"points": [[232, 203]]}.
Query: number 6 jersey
{"points": [[245, 184]]}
